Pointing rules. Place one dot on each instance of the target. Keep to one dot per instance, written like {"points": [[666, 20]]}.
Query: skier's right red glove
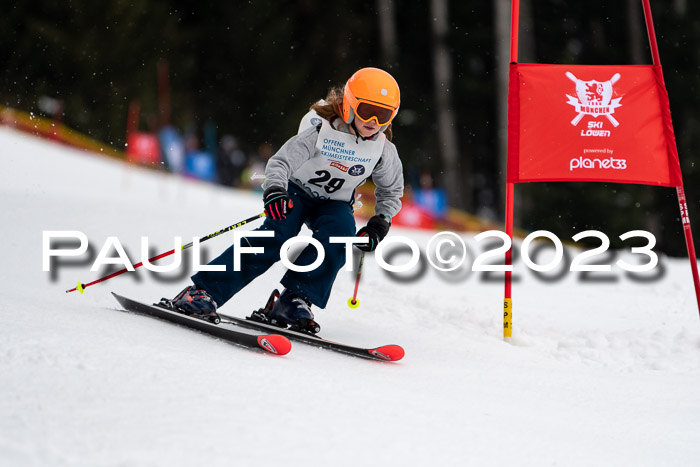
{"points": [[277, 202]]}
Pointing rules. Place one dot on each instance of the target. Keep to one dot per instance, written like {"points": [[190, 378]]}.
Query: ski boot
{"points": [[287, 309], [193, 302]]}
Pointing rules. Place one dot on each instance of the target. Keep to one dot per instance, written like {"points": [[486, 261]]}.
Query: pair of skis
{"points": [[274, 339]]}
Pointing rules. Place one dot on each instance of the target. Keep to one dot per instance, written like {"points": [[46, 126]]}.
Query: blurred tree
{"points": [[455, 168], [388, 33]]}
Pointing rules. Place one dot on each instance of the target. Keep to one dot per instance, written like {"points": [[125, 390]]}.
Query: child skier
{"points": [[312, 180]]}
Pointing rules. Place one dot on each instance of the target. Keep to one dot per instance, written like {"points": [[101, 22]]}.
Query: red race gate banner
{"points": [[590, 123], [603, 123]]}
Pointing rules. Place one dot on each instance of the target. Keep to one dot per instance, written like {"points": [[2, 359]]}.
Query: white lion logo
{"points": [[594, 98]]}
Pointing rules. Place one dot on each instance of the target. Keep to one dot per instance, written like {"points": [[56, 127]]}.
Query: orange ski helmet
{"points": [[371, 94]]}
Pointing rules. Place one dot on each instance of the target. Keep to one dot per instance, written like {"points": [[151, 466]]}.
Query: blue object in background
{"points": [[172, 148], [201, 165], [433, 200]]}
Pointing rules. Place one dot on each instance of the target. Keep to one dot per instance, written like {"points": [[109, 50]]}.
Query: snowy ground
{"points": [[598, 373]]}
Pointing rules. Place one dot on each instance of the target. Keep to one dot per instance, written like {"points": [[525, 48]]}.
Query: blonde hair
{"points": [[332, 107]]}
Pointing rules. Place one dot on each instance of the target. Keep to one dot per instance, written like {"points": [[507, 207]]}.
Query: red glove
{"points": [[277, 202]]}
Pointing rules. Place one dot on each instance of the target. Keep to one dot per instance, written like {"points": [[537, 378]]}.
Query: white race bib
{"points": [[341, 162]]}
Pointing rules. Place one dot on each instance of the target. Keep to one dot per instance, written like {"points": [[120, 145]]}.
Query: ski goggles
{"points": [[367, 111]]}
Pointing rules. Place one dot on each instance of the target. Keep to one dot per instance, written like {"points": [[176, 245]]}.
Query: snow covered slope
{"points": [[598, 373]]}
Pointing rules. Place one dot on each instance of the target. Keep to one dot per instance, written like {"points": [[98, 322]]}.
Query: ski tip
{"points": [[390, 353], [274, 343]]}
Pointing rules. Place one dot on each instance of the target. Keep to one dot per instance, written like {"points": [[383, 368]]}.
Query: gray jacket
{"points": [[387, 174]]}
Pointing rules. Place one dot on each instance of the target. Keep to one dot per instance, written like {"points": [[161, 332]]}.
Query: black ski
{"points": [[390, 353], [272, 342]]}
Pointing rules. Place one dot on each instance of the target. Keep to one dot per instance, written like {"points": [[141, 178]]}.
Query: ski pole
{"points": [[81, 287], [354, 302]]}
